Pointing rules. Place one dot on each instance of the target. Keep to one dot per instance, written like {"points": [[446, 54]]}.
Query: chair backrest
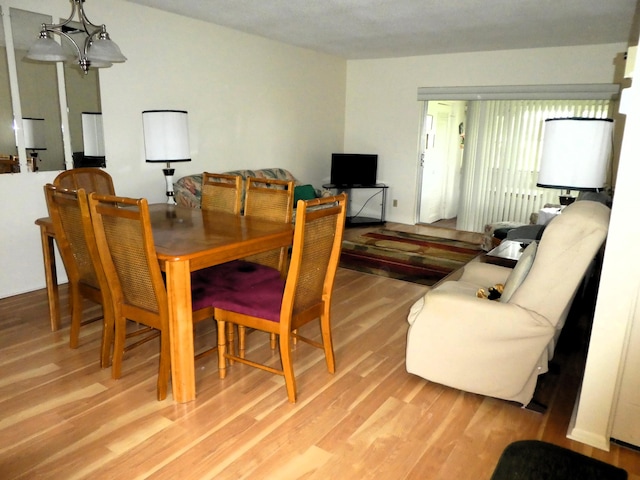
{"points": [[90, 179], [269, 199], [221, 192], [125, 244], [566, 250], [69, 212], [317, 242], [8, 164]]}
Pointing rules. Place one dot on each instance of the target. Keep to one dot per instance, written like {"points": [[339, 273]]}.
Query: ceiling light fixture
{"points": [[98, 49]]}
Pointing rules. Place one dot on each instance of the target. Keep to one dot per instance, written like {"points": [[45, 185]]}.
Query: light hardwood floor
{"points": [[62, 417]]}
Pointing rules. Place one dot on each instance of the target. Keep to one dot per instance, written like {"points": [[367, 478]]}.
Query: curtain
{"points": [[502, 158]]}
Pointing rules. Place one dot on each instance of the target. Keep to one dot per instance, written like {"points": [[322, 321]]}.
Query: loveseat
{"points": [[499, 347], [188, 189]]}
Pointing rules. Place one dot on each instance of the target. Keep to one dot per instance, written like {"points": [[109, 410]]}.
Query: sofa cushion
{"points": [[519, 272]]}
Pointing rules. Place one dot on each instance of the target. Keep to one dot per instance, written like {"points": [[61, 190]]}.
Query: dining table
{"points": [[186, 239]]}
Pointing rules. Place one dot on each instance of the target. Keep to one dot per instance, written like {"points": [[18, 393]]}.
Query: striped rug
{"points": [[406, 256]]}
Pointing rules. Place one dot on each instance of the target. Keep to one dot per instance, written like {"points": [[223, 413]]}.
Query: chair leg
{"points": [[164, 370], [273, 340], [118, 346], [76, 315], [108, 332], [327, 342], [242, 340], [287, 366], [231, 344], [222, 349]]}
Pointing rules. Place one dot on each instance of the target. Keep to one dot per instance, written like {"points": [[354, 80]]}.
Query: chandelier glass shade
{"points": [[97, 50]]}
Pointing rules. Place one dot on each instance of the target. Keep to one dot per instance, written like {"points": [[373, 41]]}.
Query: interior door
{"points": [[435, 154]]}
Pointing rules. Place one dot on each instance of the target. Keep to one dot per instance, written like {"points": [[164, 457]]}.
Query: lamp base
{"points": [[168, 177], [566, 199]]}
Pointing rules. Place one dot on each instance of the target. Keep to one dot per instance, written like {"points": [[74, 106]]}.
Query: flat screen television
{"points": [[348, 169]]}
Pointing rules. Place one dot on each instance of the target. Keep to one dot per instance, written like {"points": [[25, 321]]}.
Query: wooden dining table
{"points": [[186, 240]]}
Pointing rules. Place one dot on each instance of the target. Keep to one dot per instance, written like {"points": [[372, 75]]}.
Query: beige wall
{"points": [[383, 115]]}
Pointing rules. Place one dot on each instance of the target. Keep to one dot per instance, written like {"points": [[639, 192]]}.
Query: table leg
{"points": [[50, 276], [181, 330]]}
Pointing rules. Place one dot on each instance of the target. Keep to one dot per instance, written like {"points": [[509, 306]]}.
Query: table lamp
{"points": [[34, 138], [166, 139], [575, 154]]}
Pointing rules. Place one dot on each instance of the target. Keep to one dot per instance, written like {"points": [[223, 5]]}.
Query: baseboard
{"points": [[584, 436]]}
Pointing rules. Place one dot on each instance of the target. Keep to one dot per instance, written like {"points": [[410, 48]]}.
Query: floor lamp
{"points": [[166, 139], [575, 154]]}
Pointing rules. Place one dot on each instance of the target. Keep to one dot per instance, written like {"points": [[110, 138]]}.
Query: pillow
{"points": [[520, 271], [303, 192]]}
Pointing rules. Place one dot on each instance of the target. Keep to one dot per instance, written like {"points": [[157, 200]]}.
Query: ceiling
{"points": [[358, 29]]}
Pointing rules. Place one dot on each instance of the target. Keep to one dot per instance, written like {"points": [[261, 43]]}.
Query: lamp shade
{"points": [[46, 49], [34, 134], [166, 136], [92, 134], [575, 153]]}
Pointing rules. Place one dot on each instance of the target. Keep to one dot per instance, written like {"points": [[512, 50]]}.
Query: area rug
{"points": [[406, 256], [536, 460]]}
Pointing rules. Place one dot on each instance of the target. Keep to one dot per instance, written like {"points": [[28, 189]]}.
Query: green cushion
{"points": [[520, 271], [303, 192]]}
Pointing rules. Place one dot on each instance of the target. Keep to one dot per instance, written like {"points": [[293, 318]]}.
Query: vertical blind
{"points": [[501, 161]]}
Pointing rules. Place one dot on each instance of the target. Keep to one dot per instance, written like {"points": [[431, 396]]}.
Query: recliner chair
{"points": [[498, 348]]}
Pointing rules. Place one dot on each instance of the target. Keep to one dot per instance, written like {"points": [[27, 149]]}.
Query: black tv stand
{"points": [[358, 221]]}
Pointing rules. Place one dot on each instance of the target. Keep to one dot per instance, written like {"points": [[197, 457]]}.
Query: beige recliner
{"points": [[499, 347]]}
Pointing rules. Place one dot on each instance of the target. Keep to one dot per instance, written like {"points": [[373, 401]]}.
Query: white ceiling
{"points": [[357, 29]]}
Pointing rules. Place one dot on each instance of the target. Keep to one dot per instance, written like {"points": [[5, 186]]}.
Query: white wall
{"points": [[383, 114], [609, 402], [252, 103]]}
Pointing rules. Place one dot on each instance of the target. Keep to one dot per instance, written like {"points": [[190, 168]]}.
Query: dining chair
{"points": [[221, 192], [9, 164], [69, 213], [127, 252], [91, 179], [281, 306], [270, 199]]}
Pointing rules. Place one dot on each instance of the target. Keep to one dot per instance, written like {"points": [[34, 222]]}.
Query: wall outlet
{"points": [[395, 202]]}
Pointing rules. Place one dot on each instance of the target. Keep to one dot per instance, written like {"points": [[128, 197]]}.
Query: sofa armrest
{"points": [[477, 345]]}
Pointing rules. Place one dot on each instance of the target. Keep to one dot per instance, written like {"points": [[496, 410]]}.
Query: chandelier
{"points": [[98, 50]]}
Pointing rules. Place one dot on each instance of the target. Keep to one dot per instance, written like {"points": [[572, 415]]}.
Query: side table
{"points": [[506, 254]]}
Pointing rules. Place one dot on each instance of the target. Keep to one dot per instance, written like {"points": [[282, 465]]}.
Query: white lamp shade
{"points": [[105, 51], [34, 134], [575, 153], [166, 136], [46, 49], [92, 134]]}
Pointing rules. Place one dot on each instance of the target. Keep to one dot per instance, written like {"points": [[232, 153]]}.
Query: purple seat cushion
{"points": [[239, 286]]}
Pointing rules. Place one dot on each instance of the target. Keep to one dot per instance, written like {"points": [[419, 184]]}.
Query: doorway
{"points": [[442, 147]]}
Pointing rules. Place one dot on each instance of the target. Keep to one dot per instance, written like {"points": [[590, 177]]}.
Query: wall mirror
{"points": [[7, 138], [39, 96], [83, 108], [49, 101]]}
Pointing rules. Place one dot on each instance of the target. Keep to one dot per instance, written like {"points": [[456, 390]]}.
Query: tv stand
{"points": [[356, 220]]}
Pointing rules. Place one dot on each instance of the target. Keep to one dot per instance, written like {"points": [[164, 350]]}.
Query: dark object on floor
{"points": [[536, 460]]}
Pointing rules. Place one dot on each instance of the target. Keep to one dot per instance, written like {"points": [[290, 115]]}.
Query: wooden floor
{"points": [[62, 417]]}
